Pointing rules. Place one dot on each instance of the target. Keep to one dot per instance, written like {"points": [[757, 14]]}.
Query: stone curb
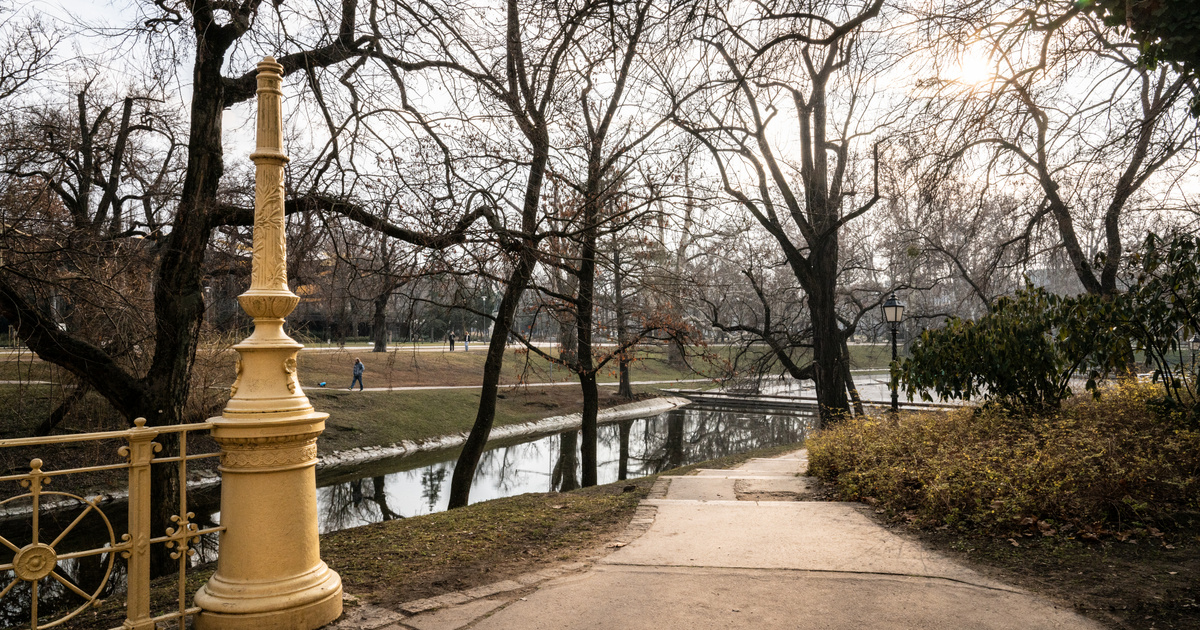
{"points": [[659, 490]]}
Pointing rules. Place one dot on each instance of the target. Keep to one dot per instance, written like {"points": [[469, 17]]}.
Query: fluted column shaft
{"points": [[269, 570]]}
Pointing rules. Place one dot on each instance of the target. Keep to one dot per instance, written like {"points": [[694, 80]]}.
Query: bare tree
{"points": [[814, 61], [1060, 107], [159, 391], [517, 77]]}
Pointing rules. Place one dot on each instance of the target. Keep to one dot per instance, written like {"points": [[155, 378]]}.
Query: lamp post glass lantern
{"points": [[893, 313]]}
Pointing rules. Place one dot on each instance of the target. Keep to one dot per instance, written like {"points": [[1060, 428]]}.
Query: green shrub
{"points": [[1008, 355], [1092, 465], [1025, 350]]}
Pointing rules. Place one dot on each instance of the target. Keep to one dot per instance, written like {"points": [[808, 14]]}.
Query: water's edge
{"points": [[553, 424], [364, 454]]}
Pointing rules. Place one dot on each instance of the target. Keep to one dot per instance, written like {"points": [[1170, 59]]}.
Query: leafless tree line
{"points": [[755, 174]]}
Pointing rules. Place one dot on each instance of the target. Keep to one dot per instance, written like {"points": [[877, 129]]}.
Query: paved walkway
{"points": [[742, 548]]}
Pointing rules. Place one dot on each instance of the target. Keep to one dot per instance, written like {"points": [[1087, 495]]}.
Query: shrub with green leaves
{"points": [[1022, 353], [1111, 463], [1161, 308]]}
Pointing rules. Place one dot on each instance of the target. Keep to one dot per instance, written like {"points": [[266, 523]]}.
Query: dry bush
{"points": [[1092, 467]]}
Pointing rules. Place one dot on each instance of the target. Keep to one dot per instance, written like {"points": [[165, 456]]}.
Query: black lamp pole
{"points": [[893, 312], [895, 395]]}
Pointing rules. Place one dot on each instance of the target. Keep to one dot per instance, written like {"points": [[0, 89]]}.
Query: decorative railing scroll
{"points": [[34, 565]]}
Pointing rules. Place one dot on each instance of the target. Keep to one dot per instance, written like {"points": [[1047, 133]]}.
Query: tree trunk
{"points": [[675, 353], [623, 459], [828, 341], [584, 312], [379, 322], [468, 459], [178, 294], [674, 445], [591, 409], [60, 412], [568, 331], [625, 390], [850, 387]]}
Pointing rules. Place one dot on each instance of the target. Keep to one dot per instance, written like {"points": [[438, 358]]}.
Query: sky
{"points": [[123, 71]]}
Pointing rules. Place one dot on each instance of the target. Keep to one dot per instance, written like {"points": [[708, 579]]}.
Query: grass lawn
{"points": [[393, 562], [405, 368], [397, 416]]}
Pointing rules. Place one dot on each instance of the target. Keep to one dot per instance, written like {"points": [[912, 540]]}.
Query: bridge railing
{"points": [[35, 561]]}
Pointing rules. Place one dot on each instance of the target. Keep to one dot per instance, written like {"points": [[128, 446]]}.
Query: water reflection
{"points": [[631, 448], [55, 600], [564, 478], [623, 454]]}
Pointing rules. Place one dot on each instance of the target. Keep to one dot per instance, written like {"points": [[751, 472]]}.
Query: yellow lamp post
{"points": [[269, 570]]}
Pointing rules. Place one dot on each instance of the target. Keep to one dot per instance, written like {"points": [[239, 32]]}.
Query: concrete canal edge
{"points": [[553, 424]]}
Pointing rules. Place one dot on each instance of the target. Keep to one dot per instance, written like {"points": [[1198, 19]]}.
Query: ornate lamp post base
{"points": [[269, 573], [269, 570], [306, 601]]}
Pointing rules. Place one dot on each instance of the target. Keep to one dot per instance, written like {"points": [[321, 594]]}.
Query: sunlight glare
{"points": [[973, 68]]}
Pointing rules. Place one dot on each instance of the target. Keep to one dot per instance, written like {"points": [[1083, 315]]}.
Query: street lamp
{"points": [[893, 312]]}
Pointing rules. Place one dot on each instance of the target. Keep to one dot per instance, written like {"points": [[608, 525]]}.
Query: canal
{"points": [[416, 485]]}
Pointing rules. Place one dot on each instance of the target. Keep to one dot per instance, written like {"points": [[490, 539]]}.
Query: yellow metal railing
{"points": [[38, 562]]}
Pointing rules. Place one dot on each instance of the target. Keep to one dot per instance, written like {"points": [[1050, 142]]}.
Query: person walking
{"points": [[466, 342], [451, 342], [358, 372]]}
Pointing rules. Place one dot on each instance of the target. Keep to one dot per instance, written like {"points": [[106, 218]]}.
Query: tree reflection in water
{"points": [[54, 599], [432, 479], [347, 505], [626, 449], [623, 428], [565, 477]]}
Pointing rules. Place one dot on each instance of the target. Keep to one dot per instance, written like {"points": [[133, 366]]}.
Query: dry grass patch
{"points": [[397, 561], [1114, 466]]}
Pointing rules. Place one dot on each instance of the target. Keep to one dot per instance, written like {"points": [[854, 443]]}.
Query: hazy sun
{"points": [[973, 68]]}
